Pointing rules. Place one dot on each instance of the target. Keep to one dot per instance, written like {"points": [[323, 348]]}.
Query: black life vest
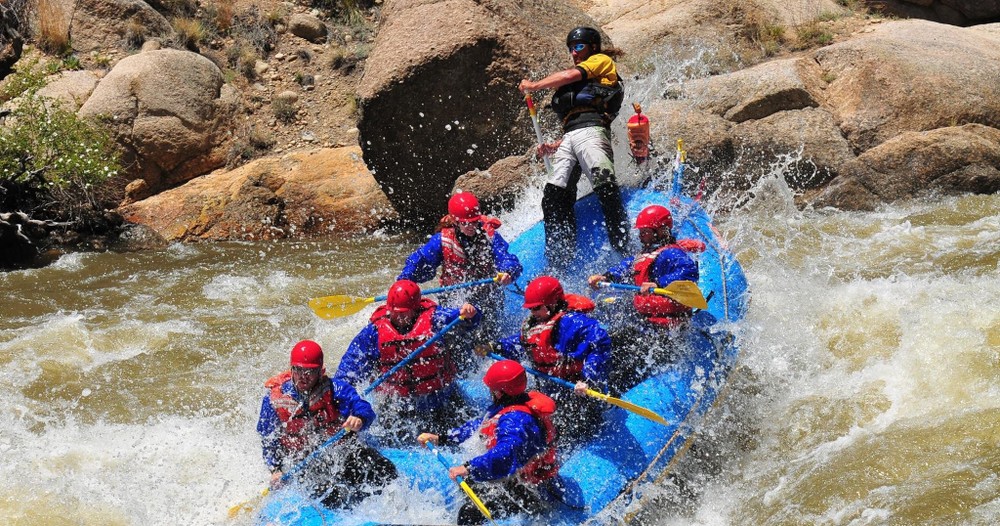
{"points": [[588, 96]]}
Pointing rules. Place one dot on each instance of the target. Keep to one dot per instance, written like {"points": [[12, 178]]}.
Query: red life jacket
{"points": [[430, 372], [304, 428], [543, 466], [456, 267], [578, 303], [660, 310], [537, 339]]}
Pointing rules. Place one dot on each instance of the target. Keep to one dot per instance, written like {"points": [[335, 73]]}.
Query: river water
{"points": [[867, 392]]}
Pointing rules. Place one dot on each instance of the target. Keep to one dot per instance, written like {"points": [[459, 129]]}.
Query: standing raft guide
{"points": [[632, 384]]}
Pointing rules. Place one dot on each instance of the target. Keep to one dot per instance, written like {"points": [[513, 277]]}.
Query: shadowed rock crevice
{"points": [[445, 119]]}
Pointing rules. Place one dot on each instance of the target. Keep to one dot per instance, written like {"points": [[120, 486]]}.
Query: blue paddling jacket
{"points": [[289, 431], [518, 440], [362, 360], [423, 263], [670, 265], [577, 337]]}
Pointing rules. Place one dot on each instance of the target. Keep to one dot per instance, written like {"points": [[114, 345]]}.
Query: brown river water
{"points": [[867, 392]]}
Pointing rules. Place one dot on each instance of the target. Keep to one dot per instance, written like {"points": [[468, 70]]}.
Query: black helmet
{"points": [[587, 35]]}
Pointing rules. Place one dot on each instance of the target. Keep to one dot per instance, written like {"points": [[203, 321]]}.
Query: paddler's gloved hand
{"points": [[483, 349], [424, 438], [467, 311], [353, 423], [276, 482], [596, 280]]}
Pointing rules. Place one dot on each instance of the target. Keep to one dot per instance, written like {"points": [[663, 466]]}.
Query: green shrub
{"points": [[28, 79], [46, 149]]}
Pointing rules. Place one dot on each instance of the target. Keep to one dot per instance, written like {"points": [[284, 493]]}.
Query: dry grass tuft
{"points": [[53, 28]]}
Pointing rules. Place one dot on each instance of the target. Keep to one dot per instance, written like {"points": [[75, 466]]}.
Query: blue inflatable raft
{"points": [[629, 451]]}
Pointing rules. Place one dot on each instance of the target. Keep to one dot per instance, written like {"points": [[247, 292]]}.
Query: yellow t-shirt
{"points": [[600, 67]]}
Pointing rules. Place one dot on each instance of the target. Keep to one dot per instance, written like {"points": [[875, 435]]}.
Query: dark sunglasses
{"points": [[576, 48]]}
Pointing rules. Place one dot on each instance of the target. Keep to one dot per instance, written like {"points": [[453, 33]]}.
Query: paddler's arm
{"points": [[620, 273], [585, 339], [349, 403], [445, 315], [507, 263], [358, 362], [555, 80], [267, 426], [510, 452], [674, 264], [422, 264]]}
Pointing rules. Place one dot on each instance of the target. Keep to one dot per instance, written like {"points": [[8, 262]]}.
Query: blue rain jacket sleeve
{"points": [[582, 338], [673, 264], [505, 261], [423, 262], [622, 272], [510, 347], [267, 426], [445, 315], [361, 357], [350, 403], [518, 439]]}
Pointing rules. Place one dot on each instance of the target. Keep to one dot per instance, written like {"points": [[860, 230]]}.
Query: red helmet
{"points": [[506, 376], [543, 290], [307, 353], [654, 216], [464, 206], [404, 295]]}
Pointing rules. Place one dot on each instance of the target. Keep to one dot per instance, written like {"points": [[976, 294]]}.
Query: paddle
{"points": [[538, 129], [683, 291], [628, 406], [252, 503], [330, 307], [462, 483]]}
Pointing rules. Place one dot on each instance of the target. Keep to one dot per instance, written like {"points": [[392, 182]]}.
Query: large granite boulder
{"points": [[172, 112], [831, 106], [100, 25], [960, 158], [70, 88], [439, 94], [317, 193], [910, 76]]}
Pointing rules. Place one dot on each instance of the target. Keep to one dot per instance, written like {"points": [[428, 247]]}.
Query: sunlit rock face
{"points": [[439, 96], [319, 193]]}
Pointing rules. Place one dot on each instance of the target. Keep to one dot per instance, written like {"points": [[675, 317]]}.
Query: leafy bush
{"points": [[55, 161]]}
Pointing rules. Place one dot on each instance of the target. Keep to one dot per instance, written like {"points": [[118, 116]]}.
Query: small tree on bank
{"points": [[53, 164]]}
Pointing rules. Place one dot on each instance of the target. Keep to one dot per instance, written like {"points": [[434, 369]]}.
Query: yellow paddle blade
{"points": [[248, 505], [475, 499], [685, 292], [628, 406], [330, 307]]}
